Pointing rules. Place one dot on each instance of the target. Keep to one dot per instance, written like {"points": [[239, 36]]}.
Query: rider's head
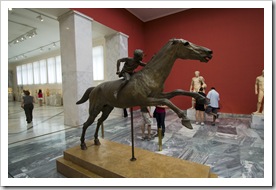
{"points": [[138, 55]]}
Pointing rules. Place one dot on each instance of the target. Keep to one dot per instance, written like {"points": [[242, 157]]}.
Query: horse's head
{"points": [[188, 50]]}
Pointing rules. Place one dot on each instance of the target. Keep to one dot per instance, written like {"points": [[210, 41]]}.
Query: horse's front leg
{"points": [[163, 101], [179, 92]]}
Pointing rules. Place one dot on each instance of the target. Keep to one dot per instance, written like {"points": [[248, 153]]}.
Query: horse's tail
{"points": [[85, 96]]}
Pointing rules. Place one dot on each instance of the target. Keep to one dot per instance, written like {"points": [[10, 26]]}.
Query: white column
{"points": [[116, 48], [77, 64]]}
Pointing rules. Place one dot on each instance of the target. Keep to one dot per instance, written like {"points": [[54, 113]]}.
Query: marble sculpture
{"points": [[197, 82], [259, 90]]}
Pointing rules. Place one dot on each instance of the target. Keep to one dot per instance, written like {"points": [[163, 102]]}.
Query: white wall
{"points": [[17, 90]]}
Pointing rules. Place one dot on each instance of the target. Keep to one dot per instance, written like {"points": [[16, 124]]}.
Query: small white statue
{"points": [[197, 82], [259, 90]]}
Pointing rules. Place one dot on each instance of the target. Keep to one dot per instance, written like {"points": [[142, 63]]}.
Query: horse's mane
{"points": [[155, 58]]}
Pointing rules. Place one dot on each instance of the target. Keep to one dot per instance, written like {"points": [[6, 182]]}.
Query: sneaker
{"points": [[202, 123], [29, 125], [196, 123]]}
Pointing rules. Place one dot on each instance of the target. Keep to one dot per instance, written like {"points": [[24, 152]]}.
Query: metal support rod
{"points": [[102, 127], [132, 135]]}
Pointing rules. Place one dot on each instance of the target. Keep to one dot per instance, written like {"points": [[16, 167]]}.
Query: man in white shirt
{"points": [[213, 107]]}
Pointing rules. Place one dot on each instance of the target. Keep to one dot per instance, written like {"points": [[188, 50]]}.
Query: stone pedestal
{"points": [[10, 97], [112, 160], [257, 121], [54, 100], [191, 114]]}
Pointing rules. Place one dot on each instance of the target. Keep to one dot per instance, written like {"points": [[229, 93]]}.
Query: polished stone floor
{"points": [[231, 148]]}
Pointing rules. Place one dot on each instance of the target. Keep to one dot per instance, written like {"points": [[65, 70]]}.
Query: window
{"points": [[36, 72], [98, 63], [43, 71], [51, 70], [24, 74], [19, 75], [40, 72], [30, 73]]}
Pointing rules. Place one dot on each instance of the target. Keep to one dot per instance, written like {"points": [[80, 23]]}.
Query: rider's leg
{"points": [[126, 77]]}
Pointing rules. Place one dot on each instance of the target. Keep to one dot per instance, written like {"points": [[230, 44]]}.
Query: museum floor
{"points": [[231, 148]]}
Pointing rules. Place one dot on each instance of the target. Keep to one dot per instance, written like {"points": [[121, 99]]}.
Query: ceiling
{"points": [[21, 21], [148, 14], [24, 21]]}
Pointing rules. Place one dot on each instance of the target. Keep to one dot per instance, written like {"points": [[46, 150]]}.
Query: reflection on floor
{"points": [[231, 148]]}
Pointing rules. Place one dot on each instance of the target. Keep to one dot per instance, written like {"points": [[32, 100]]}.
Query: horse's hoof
{"points": [[97, 142], [83, 146], [187, 123]]}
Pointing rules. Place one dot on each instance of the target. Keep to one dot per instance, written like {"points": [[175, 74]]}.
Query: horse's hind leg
{"points": [[88, 122], [105, 113]]}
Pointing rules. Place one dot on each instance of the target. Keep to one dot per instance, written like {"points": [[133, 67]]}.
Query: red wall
{"points": [[236, 37]]}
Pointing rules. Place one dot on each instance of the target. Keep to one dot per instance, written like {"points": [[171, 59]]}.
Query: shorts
{"points": [[210, 109], [200, 107], [147, 120]]}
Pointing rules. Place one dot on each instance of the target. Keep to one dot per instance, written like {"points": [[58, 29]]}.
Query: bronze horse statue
{"points": [[145, 88]]}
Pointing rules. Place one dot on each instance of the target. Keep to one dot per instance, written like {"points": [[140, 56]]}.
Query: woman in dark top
{"points": [[28, 106], [200, 108]]}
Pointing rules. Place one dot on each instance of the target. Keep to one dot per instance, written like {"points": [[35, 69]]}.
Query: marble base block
{"points": [[112, 159], [191, 114], [257, 121]]}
